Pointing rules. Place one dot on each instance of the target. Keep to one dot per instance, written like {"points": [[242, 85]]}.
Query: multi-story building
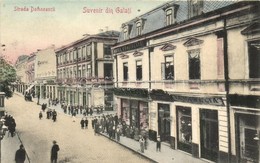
{"points": [[189, 71], [45, 73], [21, 67], [30, 74], [85, 70]]}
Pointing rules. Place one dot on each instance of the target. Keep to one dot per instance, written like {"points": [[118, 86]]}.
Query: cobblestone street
{"points": [[76, 145]]}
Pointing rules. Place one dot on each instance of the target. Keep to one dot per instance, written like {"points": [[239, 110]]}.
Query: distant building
{"points": [[45, 73], [21, 67], [189, 72], [85, 70]]}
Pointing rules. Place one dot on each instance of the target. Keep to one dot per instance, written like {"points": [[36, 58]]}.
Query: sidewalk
{"points": [[167, 155], [9, 147]]}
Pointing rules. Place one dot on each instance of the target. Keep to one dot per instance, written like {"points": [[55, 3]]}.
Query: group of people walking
{"points": [[50, 114], [10, 124]]}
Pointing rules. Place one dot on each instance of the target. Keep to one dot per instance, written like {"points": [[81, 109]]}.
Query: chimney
{"points": [[106, 28]]}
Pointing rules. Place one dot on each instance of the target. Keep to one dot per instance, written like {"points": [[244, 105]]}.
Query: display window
{"points": [[184, 126]]}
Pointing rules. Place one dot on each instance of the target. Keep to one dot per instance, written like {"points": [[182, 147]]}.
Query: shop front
{"points": [[247, 127], [135, 113]]}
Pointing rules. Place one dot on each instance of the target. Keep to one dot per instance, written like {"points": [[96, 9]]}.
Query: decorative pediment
{"points": [[136, 53], [124, 56], [193, 42], [168, 47], [251, 29]]}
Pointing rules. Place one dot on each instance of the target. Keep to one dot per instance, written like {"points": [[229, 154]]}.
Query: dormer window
{"points": [[138, 28], [195, 8], [170, 10], [169, 19], [125, 33]]}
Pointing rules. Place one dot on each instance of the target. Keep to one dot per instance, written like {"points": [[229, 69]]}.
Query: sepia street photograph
{"points": [[127, 81]]}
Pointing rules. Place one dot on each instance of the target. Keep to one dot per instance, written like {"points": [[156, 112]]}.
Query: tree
{"points": [[7, 77]]}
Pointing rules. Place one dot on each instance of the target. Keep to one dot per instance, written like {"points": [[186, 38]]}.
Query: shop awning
{"points": [[29, 88]]}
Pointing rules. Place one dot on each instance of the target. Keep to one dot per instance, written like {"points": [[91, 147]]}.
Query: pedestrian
{"points": [[12, 126], [82, 123], [118, 133], [86, 123], [54, 116], [158, 145], [54, 152], [141, 141], [20, 155], [40, 115]]}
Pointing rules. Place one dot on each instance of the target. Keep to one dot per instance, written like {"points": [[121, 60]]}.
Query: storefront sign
{"points": [[42, 62], [217, 101], [132, 46], [142, 93], [160, 95]]}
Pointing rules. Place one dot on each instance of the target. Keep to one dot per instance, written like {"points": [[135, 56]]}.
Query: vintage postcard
{"points": [[129, 81]]}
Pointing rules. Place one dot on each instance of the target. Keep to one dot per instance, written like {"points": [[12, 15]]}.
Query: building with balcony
{"points": [[85, 70], [188, 70]]}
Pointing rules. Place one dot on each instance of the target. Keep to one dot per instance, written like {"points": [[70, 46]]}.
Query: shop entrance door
{"points": [[209, 134], [164, 124], [249, 138]]}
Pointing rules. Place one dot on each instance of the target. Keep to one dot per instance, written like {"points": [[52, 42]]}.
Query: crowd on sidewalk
{"points": [[9, 122]]}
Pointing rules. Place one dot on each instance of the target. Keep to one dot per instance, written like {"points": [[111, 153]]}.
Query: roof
{"points": [[154, 19], [107, 34]]}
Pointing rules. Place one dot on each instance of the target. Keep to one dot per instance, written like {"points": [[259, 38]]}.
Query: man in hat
{"points": [[54, 152], [20, 155]]}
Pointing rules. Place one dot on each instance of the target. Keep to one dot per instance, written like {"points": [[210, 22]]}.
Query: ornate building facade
{"points": [[85, 70], [188, 71]]}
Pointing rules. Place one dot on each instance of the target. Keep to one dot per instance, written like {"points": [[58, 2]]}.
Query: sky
{"points": [[24, 30]]}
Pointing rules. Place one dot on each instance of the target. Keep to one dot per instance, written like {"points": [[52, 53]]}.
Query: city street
{"points": [[76, 145]]}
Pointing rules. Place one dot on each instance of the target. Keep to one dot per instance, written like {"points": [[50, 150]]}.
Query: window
{"points": [[58, 60], [168, 68], [70, 56], [71, 72], [125, 33], [88, 51], [83, 70], [79, 54], [67, 73], [169, 18], [138, 28], [254, 59], [125, 71], [108, 70], [79, 71], [75, 71], [194, 64], [195, 8], [74, 55], [107, 50], [83, 52], [88, 70], [65, 57], [61, 61], [64, 73], [139, 70], [184, 122]]}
